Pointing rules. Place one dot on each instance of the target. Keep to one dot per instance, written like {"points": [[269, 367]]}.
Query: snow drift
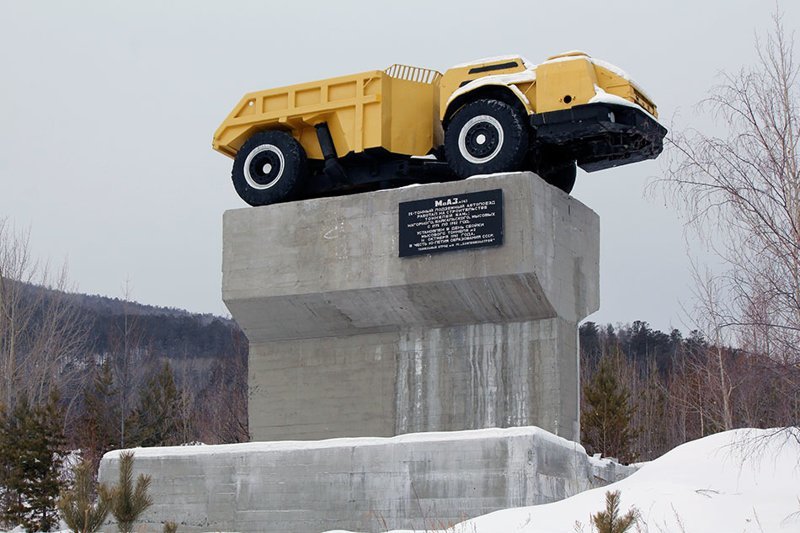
{"points": [[743, 480]]}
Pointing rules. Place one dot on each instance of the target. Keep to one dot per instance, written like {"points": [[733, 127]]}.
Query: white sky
{"points": [[107, 110]]}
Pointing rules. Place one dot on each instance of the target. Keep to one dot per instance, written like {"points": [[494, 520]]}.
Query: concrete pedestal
{"points": [[349, 339], [418, 481]]}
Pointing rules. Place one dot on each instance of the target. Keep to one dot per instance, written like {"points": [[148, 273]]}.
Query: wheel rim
{"points": [[480, 139], [264, 166]]}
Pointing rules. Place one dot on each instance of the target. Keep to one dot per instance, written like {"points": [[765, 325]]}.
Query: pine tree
{"points": [[31, 451], [156, 420], [127, 502], [10, 468], [609, 521], [98, 425], [82, 510], [606, 420]]}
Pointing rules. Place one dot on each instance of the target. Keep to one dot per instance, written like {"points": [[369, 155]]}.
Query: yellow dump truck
{"points": [[409, 124]]}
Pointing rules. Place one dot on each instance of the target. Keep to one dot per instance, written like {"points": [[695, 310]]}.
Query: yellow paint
{"points": [[367, 110], [401, 109], [454, 78]]}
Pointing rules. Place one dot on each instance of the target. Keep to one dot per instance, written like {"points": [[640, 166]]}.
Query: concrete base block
{"points": [[349, 339], [414, 481]]}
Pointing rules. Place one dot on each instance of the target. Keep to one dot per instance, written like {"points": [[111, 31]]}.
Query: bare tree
{"points": [[741, 191], [709, 366], [127, 361], [42, 334], [186, 401], [224, 401]]}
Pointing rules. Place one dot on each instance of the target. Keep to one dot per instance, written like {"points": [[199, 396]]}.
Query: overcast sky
{"points": [[108, 108]]}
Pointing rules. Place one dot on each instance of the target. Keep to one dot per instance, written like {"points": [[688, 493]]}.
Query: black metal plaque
{"points": [[469, 220]]}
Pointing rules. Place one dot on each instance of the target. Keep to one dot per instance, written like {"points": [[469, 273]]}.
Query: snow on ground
{"points": [[294, 445], [743, 480], [740, 481]]}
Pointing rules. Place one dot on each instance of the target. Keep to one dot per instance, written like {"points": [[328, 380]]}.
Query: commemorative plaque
{"points": [[447, 223]]}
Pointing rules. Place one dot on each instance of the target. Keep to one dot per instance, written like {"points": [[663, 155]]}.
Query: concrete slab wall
{"points": [[412, 481], [349, 339], [418, 379], [330, 266]]}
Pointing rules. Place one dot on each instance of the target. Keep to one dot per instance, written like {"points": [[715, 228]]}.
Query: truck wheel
{"points": [[269, 168], [559, 175], [486, 136]]}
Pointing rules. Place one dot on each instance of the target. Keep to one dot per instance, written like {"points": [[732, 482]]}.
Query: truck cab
{"points": [[579, 110]]}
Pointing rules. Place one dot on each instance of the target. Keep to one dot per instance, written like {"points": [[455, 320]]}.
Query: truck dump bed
{"points": [[396, 109]]}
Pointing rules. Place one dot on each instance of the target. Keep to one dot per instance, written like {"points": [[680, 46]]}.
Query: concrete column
{"points": [[349, 339]]}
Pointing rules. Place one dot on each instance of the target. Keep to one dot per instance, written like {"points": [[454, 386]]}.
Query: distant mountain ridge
{"points": [[163, 332], [116, 306]]}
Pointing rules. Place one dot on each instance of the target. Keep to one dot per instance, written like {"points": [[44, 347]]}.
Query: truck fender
{"points": [[504, 81]]}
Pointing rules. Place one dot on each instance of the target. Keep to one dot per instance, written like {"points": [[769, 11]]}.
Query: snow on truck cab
{"points": [[408, 124]]}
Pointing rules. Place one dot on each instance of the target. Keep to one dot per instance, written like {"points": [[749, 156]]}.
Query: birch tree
{"points": [[741, 192]]}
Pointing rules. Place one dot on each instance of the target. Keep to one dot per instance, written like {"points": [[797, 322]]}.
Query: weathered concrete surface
{"points": [[348, 339], [417, 379], [368, 484], [330, 266]]}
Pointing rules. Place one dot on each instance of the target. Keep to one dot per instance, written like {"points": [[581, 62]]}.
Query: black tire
{"points": [[561, 175], [269, 168], [486, 136]]}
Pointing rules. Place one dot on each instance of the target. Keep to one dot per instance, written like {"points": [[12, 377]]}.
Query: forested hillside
{"points": [[92, 374], [645, 392], [128, 374], [119, 373]]}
